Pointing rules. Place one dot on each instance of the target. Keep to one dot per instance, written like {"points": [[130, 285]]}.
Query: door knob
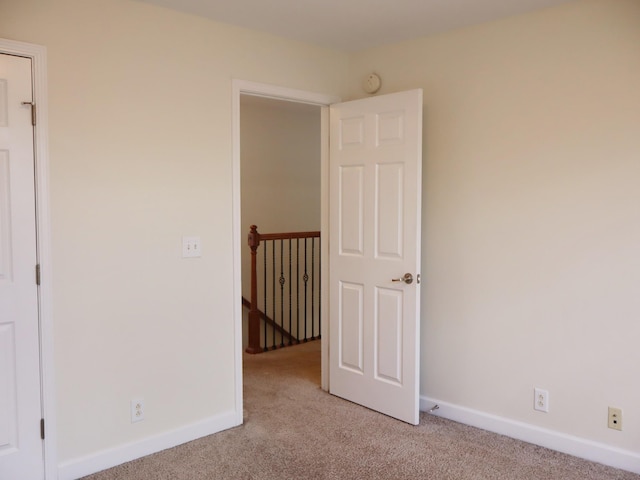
{"points": [[408, 278]]}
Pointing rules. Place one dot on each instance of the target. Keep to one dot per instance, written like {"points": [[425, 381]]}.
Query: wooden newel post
{"points": [[254, 313]]}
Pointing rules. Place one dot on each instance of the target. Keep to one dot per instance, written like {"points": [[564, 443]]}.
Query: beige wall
{"points": [[280, 165], [140, 146], [531, 211]]}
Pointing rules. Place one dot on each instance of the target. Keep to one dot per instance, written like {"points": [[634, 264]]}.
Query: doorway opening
{"points": [[244, 89], [280, 150]]}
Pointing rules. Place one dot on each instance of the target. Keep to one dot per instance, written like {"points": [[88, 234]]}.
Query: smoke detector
{"points": [[372, 83]]}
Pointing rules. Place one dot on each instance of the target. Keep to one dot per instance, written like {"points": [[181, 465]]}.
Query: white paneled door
{"points": [[21, 447], [374, 252]]}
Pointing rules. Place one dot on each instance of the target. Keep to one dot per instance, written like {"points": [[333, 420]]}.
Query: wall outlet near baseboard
{"points": [[137, 410], [540, 400], [615, 418]]}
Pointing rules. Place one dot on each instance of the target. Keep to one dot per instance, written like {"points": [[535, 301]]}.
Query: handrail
{"points": [[284, 236], [255, 315]]}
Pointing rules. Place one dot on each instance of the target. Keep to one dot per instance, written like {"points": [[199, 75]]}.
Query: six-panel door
{"points": [[375, 194]]}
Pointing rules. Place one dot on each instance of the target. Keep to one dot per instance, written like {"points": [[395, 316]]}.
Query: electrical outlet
{"points": [[541, 400], [615, 418], [137, 410]]}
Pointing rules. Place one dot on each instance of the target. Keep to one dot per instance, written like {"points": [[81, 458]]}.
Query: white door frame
{"points": [[38, 56], [240, 87]]}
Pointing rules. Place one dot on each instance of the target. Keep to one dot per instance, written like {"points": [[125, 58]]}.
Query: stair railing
{"points": [[290, 287]]}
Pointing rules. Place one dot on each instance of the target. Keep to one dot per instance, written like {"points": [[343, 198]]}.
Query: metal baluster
{"points": [[297, 290], [320, 288], [282, 280], [313, 288], [290, 282], [273, 290], [306, 281], [266, 250]]}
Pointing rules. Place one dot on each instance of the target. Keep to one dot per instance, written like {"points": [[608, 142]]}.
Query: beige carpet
{"points": [[294, 430]]}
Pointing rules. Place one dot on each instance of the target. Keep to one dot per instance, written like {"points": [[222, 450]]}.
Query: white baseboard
{"points": [[561, 442], [80, 467]]}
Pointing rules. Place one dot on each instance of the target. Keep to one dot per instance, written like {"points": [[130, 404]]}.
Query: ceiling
{"points": [[352, 25]]}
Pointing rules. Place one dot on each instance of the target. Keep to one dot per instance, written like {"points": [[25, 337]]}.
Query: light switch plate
{"points": [[191, 247]]}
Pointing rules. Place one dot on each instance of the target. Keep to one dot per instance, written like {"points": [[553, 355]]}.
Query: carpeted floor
{"points": [[294, 430]]}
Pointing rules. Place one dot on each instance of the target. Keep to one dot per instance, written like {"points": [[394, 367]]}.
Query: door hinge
{"points": [[42, 428], [38, 274], [33, 112]]}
